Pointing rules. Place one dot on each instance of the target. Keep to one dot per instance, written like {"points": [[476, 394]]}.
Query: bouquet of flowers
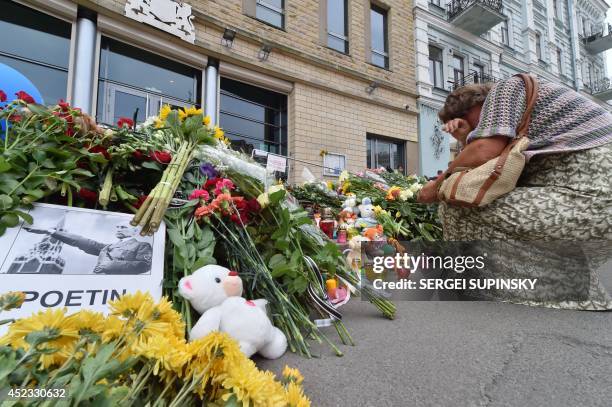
{"points": [[136, 354]]}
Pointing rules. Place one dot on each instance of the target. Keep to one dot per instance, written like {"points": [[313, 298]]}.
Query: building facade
{"points": [[328, 82], [465, 41]]}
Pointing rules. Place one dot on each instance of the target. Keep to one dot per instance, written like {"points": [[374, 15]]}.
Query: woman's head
{"points": [[465, 103]]}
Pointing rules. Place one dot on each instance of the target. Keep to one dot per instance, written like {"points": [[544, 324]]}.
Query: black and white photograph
{"points": [[68, 241]]}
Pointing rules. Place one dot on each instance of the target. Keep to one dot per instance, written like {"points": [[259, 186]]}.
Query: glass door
{"points": [[123, 101]]}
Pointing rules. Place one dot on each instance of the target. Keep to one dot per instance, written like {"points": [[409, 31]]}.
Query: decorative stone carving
{"points": [[437, 140], [171, 16]]}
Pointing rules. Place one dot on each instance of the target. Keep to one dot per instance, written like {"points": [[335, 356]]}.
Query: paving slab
{"points": [[463, 354]]}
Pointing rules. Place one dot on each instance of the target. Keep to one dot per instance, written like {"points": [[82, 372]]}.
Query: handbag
{"points": [[481, 185]]}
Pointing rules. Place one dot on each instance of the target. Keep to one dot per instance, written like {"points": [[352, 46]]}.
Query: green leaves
{"points": [[6, 202]]}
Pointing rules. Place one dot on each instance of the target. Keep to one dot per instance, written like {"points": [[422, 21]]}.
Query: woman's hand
{"points": [[458, 128], [429, 193]]}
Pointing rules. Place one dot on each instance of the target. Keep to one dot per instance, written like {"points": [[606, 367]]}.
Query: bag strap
{"points": [[531, 89]]}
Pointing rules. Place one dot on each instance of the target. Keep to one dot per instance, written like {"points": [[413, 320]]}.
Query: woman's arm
{"points": [[473, 155]]}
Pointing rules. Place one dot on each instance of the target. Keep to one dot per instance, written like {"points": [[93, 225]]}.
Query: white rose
{"points": [[406, 194], [416, 187], [275, 188], [263, 199]]}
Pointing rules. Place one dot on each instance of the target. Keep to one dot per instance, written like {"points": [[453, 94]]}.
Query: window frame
{"points": [[560, 60], [538, 44], [69, 69], [458, 56], [401, 146], [436, 85], [343, 37], [264, 4], [385, 53]]}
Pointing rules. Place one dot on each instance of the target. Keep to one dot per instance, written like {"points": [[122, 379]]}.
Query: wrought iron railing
{"points": [[600, 86], [455, 7], [474, 77], [598, 31]]}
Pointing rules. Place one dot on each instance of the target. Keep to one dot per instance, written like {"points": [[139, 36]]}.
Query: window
{"points": [[271, 12], [333, 164], [384, 152], [337, 25], [136, 83], [378, 33], [505, 35], [436, 74], [38, 46], [538, 39], [556, 9], [253, 118], [458, 69], [436, 2], [479, 69], [584, 26], [590, 73], [560, 60]]}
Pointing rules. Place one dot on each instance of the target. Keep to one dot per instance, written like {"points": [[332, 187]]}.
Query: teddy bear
{"points": [[367, 219], [216, 293]]}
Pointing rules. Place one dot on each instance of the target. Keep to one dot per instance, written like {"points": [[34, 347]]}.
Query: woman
{"points": [[565, 191]]}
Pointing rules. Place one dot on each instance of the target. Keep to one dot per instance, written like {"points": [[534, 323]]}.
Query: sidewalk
{"points": [[463, 354]]}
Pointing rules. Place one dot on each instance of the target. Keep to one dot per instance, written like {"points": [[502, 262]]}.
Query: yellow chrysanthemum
{"points": [[170, 316], [158, 123], [188, 112], [89, 321], [206, 120], [60, 329], [296, 397], [164, 112], [168, 353], [253, 387], [11, 300], [330, 185], [113, 328], [129, 305], [292, 375], [377, 209], [219, 133], [217, 347], [345, 187]]}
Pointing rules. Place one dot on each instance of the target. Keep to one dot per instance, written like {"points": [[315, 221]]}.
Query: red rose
{"points": [[21, 95], [240, 218], [15, 118], [138, 155], [70, 131], [161, 156], [100, 150], [124, 121], [2, 96], [88, 195], [253, 206], [140, 201], [65, 106], [210, 183]]}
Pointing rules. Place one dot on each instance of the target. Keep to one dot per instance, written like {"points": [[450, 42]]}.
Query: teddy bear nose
{"points": [[233, 273]]}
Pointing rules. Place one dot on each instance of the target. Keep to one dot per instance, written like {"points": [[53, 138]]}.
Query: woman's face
{"points": [[473, 116]]}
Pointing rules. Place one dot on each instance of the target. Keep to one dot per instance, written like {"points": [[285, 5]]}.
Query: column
{"points": [[84, 61], [211, 100]]}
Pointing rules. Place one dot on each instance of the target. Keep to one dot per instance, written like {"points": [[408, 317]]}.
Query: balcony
{"points": [[600, 39], [475, 16], [601, 89], [474, 77]]}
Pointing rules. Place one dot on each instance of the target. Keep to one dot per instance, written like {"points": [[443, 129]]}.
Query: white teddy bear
{"points": [[215, 292]]}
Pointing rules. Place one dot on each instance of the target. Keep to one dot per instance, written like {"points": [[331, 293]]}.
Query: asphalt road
{"points": [[463, 354]]}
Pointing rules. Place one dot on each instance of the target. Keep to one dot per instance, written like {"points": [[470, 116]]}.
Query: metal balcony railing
{"points": [[598, 31], [456, 7], [474, 77], [600, 86]]}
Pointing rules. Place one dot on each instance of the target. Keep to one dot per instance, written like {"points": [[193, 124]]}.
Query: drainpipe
{"points": [[574, 46], [211, 100], [85, 56]]}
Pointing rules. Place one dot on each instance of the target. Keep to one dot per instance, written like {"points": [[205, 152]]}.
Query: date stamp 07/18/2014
{"points": [[31, 393]]}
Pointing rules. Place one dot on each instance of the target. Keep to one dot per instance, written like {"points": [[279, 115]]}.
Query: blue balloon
{"points": [[11, 82]]}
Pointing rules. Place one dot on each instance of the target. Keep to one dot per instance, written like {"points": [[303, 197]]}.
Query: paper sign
{"points": [[276, 163], [79, 259]]}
